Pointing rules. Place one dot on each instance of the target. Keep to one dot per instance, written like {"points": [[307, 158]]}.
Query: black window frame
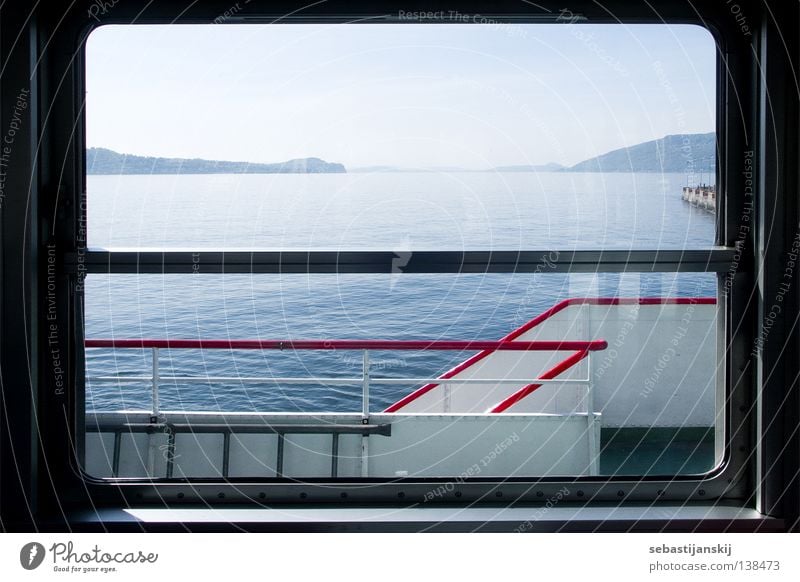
{"points": [[46, 413]]}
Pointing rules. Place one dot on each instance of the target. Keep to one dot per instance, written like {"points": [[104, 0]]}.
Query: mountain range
{"points": [[105, 161], [685, 153], [682, 153], [694, 152]]}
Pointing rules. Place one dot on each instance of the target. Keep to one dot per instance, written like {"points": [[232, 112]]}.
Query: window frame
{"points": [[741, 127], [473, 489]]}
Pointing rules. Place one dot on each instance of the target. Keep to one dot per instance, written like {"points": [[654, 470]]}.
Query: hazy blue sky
{"points": [[396, 94]]}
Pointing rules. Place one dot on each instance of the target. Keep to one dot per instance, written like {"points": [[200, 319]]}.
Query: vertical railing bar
{"points": [[593, 468], [155, 382], [365, 413], [279, 460], [226, 452], [585, 332], [365, 386], [115, 458], [335, 455]]}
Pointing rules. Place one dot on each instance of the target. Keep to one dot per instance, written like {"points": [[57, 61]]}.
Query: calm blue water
{"points": [[399, 212]]}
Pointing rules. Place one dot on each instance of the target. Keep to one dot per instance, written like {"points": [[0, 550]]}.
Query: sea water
{"points": [[399, 212]]}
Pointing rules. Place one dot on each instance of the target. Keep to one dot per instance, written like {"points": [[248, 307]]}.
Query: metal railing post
{"points": [[155, 383], [152, 444], [590, 420], [584, 327], [365, 413], [365, 385]]}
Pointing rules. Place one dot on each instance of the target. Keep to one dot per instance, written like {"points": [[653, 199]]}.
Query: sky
{"points": [[407, 95]]}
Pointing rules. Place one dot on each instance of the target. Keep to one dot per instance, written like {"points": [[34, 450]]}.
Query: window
{"points": [[408, 138], [600, 266]]}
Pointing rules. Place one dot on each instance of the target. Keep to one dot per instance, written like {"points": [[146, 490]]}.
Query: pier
{"points": [[702, 196]]}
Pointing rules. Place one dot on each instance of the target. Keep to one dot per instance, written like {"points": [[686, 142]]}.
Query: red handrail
{"points": [[545, 346], [545, 315], [506, 343], [549, 375]]}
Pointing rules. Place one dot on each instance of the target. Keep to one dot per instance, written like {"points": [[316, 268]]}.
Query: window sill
{"points": [[643, 518]]}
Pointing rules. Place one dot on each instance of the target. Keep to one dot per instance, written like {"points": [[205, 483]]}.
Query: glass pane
{"points": [[618, 374], [414, 136]]}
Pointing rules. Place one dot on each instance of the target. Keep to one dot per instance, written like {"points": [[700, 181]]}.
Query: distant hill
{"points": [[105, 161], [673, 153]]}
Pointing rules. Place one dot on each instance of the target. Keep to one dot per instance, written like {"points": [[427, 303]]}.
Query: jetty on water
{"points": [[702, 196]]}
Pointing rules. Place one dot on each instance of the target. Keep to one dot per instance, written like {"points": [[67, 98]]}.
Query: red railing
{"points": [[451, 345], [581, 349], [561, 366], [363, 345]]}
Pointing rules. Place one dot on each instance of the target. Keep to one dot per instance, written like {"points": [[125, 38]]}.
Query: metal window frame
{"points": [[679, 487], [52, 165]]}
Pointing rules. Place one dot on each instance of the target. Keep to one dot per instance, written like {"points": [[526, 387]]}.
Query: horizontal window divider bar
{"points": [[440, 16], [713, 260]]}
